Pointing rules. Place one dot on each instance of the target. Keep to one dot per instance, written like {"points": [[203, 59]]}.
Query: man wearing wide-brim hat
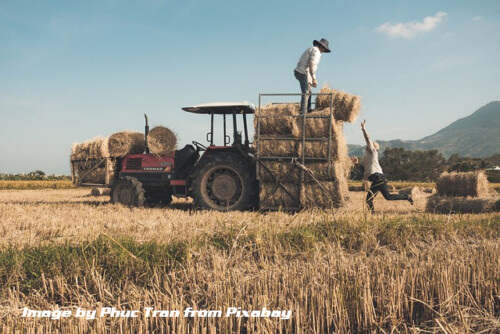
{"points": [[305, 71]]}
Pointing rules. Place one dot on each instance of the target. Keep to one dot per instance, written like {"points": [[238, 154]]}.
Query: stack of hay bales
{"points": [[94, 161], [463, 193], [281, 146]]}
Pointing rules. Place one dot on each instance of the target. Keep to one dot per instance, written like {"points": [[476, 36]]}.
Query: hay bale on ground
{"points": [[447, 205], [95, 192], [272, 195], [346, 107], [473, 184], [162, 140], [123, 143], [284, 125]]}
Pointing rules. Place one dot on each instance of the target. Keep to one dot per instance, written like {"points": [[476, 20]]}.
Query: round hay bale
{"points": [[162, 140], [123, 143], [95, 192]]}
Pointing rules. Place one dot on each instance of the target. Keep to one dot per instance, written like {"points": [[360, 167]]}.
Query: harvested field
{"points": [[400, 271]]}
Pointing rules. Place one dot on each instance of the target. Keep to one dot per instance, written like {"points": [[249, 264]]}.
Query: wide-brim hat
{"points": [[324, 43]]}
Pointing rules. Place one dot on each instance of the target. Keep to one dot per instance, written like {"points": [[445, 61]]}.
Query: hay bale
{"points": [[85, 173], [277, 147], [346, 107], [287, 171], [100, 191], [473, 184], [317, 124], [273, 195], [270, 124], [460, 204], [123, 143], [95, 192], [325, 194], [89, 150], [162, 140]]}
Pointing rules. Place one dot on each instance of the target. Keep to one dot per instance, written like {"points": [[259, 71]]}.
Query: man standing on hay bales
{"points": [[373, 173], [305, 72]]}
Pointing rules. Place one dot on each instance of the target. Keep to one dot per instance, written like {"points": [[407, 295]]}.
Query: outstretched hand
{"points": [[363, 124]]}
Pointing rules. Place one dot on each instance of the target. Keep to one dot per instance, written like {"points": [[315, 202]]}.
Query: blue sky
{"points": [[73, 70]]}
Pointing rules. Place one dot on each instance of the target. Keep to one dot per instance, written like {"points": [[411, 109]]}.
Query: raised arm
{"points": [[367, 138]]}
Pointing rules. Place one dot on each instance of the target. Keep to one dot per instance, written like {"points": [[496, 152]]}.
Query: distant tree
{"points": [[400, 164]]}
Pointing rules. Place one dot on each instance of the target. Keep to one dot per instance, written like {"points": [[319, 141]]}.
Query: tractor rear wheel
{"points": [[224, 182], [127, 191]]}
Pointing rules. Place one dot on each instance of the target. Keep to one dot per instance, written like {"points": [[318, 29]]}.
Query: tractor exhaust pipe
{"points": [[146, 132]]}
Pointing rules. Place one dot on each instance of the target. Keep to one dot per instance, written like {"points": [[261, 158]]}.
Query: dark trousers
{"points": [[379, 184], [305, 88]]}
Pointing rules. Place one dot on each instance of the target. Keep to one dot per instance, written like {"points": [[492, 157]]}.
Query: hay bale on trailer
{"points": [[275, 195], [162, 140], [474, 184], [277, 119], [323, 194], [346, 106], [277, 147], [123, 143]]}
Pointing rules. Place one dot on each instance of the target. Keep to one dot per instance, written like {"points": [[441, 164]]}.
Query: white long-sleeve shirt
{"points": [[308, 63]]}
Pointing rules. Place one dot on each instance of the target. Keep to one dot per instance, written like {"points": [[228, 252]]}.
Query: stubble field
{"points": [[337, 271]]}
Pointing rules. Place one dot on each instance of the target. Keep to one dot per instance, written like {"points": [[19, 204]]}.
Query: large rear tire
{"points": [[128, 191], [224, 182]]}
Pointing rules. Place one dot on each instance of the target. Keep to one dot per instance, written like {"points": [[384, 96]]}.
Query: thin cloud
{"points": [[411, 29], [477, 18]]}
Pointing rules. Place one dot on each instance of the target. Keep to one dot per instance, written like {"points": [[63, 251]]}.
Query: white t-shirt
{"points": [[370, 161], [308, 63]]}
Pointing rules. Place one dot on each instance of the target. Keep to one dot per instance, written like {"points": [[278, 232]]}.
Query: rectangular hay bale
{"points": [[473, 184], [273, 195], [271, 124], [346, 106]]}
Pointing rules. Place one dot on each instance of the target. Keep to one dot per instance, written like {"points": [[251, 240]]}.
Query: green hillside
{"points": [[477, 135]]}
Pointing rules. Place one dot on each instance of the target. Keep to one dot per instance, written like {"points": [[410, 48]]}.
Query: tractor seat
{"points": [[184, 161]]}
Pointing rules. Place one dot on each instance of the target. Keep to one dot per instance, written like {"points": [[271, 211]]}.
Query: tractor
{"points": [[216, 177]]}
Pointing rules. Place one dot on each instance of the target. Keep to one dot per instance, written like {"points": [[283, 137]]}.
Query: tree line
{"points": [[426, 166]]}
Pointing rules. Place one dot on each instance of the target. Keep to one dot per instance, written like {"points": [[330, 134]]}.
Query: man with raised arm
{"points": [[374, 173]]}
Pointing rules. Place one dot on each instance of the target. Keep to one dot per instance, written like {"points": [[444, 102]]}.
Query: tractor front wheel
{"points": [[127, 191]]}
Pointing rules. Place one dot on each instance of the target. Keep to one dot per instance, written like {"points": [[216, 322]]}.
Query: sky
{"points": [[74, 70]]}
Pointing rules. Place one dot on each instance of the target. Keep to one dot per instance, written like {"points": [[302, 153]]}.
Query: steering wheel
{"points": [[199, 147]]}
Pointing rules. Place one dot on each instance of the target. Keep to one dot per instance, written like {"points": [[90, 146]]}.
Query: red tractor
{"points": [[222, 178]]}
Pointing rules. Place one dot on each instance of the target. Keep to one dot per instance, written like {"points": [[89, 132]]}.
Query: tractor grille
{"points": [[134, 164]]}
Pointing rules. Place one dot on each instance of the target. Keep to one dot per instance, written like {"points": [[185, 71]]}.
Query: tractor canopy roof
{"points": [[222, 108]]}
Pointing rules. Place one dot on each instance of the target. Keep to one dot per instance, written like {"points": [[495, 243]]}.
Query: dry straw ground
{"points": [[339, 271]]}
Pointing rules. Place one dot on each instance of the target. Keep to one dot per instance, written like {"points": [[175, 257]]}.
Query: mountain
{"points": [[477, 136]]}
